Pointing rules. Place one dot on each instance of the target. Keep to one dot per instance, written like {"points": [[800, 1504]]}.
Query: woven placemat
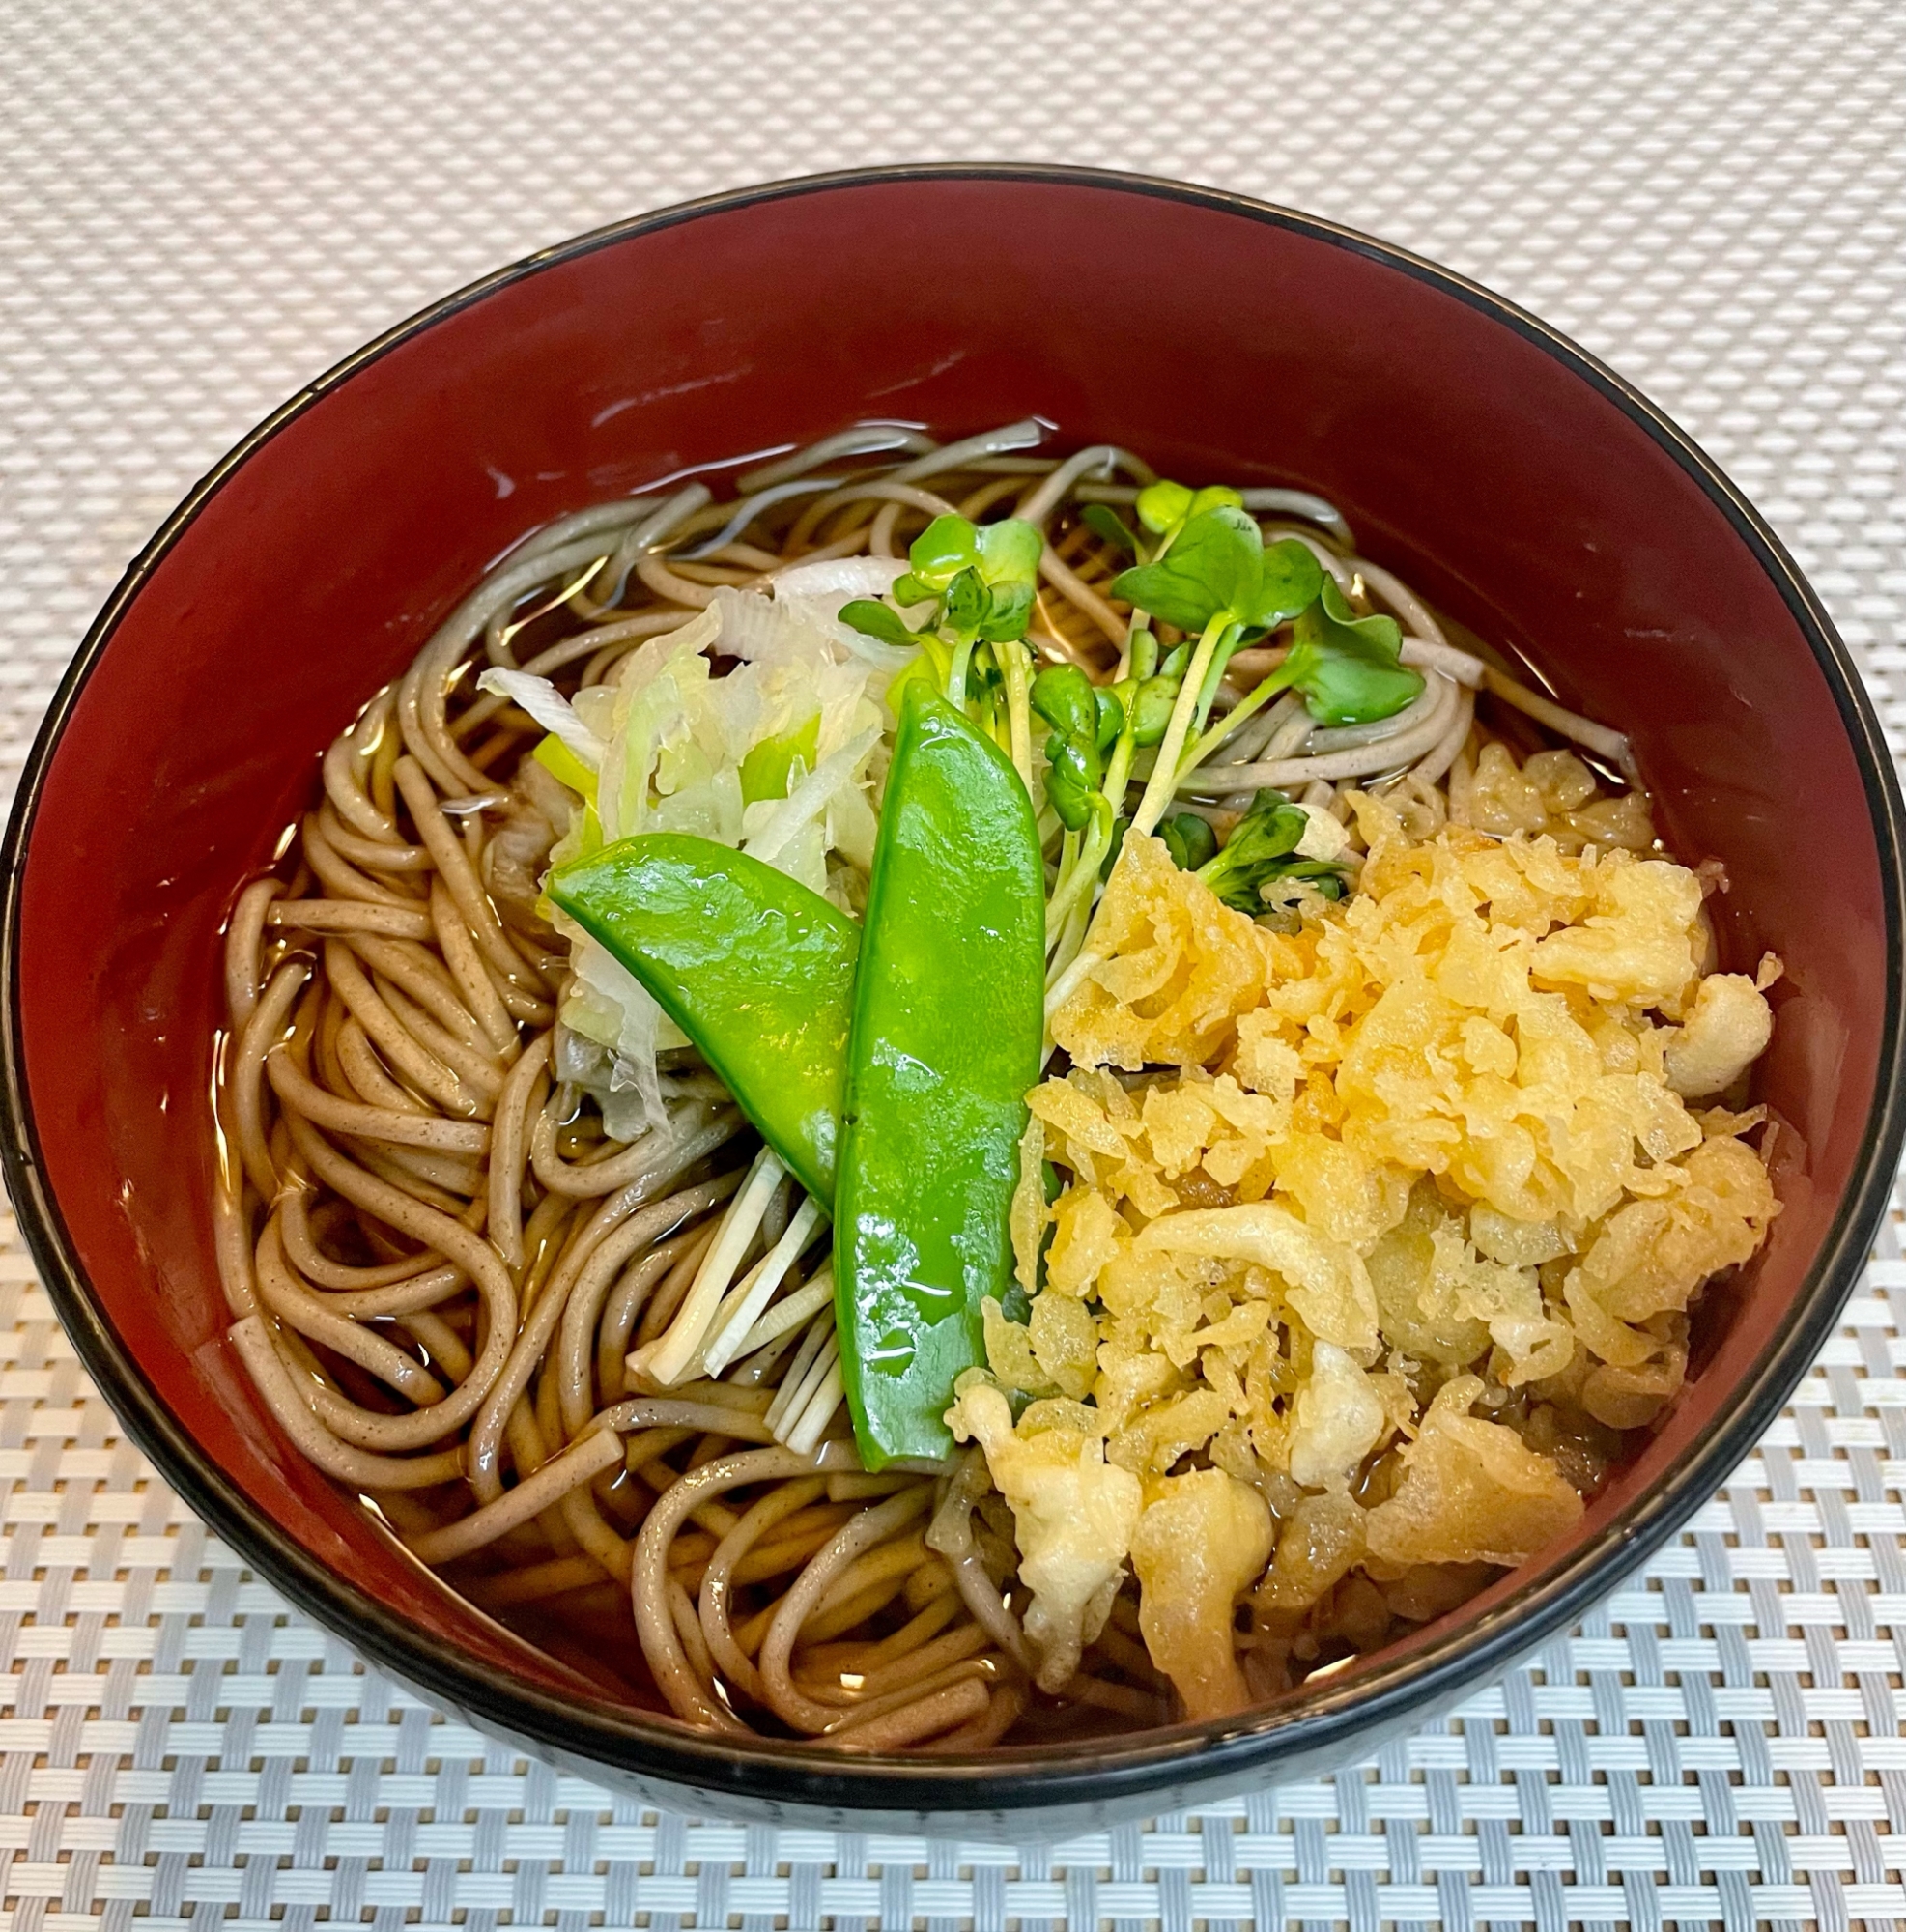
{"points": [[203, 205]]}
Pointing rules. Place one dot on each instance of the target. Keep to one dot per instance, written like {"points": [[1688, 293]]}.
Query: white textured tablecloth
{"points": [[203, 205]]}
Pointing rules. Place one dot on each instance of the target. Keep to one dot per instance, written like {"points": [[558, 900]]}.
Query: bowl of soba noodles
{"points": [[960, 998]]}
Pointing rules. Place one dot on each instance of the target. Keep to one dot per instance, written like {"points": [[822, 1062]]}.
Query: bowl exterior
{"points": [[1521, 486]]}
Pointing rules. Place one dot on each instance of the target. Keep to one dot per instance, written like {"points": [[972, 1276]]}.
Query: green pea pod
{"points": [[947, 1032], [758, 970]]}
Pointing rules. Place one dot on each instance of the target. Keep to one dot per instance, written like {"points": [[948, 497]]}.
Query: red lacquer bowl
{"points": [[1518, 484]]}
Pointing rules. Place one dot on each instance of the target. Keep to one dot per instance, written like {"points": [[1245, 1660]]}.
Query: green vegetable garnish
{"points": [[1086, 722], [1121, 826], [1151, 709], [930, 1020], [982, 581], [1110, 707], [1001, 555], [1164, 506], [980, 578], [1216, 578], [1064, 696], [1105, 522], [1262, 848], [1348, 670], [561, 762], [1219, 567], [1085, 726], [1190, 839], [1071, 785], [947, 1034], [758, 970], [1347, 666], [768, 767], [875, 619]]}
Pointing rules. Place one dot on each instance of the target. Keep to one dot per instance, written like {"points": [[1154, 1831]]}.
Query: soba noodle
{"points": [[439, 1262]]}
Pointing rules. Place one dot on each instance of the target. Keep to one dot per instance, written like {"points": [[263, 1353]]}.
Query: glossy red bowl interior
{"points": [[1519, 486]]}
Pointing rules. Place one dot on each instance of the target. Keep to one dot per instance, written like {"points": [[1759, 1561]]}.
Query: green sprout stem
{"points": [[1018, 710], [1245, 708], [962, 657], [1075, 894], [1061, 975], [1075, 889], [1062, 871], [1163, 782], [1064, 980], [1074, 885], [1141, 618]]}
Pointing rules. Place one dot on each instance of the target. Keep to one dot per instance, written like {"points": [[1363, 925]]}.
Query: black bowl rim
{"points": [[1102, 1773]]}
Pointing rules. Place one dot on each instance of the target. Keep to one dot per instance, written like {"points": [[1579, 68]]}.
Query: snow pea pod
{"points": [[947, 1031], [758, 970]]}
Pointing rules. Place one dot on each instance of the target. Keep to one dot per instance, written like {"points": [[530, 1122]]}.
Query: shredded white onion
{"points": [[548, 706], [812, 797]]}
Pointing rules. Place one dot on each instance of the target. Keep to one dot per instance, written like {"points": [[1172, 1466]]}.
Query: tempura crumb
{"points": [[1372, 1233]]}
